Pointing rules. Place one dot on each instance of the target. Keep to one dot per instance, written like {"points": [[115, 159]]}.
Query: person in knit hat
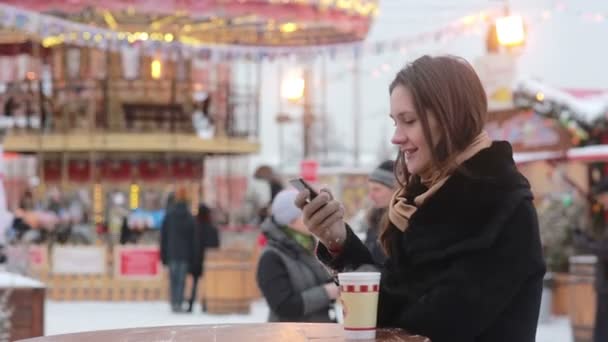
{"points": [[296, 286], [381, 185]]}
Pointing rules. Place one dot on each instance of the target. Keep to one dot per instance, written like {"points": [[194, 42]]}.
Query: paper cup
{"points": [[359, 298]]}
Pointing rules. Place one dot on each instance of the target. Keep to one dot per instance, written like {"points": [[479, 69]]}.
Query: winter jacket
{"points": [[177, 236], [469, 268], [206, 235], [291, 279]]}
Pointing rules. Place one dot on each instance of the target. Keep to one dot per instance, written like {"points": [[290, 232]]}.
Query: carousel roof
{"points": [[235, 22]]}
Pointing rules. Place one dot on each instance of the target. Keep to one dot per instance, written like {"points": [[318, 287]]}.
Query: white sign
{"points": [[497, 72], [79, 260]]}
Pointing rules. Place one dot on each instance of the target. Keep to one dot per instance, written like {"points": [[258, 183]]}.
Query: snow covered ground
{"points": [[69, 317]]}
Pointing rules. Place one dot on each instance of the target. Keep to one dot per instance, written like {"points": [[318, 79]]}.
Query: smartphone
{"points": [[301, 185]]}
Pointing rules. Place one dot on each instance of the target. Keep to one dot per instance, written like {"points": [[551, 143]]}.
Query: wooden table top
{"points": [[267, 332]]}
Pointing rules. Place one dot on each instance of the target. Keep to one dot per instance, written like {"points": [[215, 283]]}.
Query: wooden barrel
{"points": [[227, 278], [582, 297], [561, 294]]}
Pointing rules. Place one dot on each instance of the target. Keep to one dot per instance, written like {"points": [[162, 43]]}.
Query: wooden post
{"points": [[64, 170]]}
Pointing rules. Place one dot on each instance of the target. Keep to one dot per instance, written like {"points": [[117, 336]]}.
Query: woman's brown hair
{"points": [[448, 88]]}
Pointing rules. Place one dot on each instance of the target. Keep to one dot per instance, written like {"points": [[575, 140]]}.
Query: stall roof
{"points": [[588, 104]]}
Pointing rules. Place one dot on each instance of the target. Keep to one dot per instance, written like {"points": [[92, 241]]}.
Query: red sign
{"points": [[37, 256], [79, 170], [51, 170], [308, 170], [138, 262]]}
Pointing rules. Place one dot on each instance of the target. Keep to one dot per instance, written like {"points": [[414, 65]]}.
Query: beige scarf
{"points": [[400, 211]]}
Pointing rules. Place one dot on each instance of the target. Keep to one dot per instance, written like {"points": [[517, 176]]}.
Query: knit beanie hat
{"points": [[384, 174], [283, 209]]}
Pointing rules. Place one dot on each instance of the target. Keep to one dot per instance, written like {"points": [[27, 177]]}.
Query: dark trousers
{"points": [[177, 281], [600, 332], [193, 293]]}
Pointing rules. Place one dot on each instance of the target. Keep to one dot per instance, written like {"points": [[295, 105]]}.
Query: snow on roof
{"points": [[9, 280], [589, 108], [593, 153], [528, 157]]}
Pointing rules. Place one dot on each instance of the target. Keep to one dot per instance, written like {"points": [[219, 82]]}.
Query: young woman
{"points": [[465, 260]]}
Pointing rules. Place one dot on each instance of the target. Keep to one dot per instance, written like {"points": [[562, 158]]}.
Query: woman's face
{"points": [[409, 135]]}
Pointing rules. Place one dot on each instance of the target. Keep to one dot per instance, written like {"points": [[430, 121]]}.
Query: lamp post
{"points": [[295, 88]]}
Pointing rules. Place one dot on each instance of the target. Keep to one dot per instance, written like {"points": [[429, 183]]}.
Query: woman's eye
{"points": [[409, 122]]}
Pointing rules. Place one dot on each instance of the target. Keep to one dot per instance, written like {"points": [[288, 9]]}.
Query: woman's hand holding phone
{"points": [[324, 217]]}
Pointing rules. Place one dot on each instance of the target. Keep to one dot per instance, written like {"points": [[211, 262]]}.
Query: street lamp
{"points": [[510, 30], [292, 86]]}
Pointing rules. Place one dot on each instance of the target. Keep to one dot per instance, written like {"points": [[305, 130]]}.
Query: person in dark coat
{"points": [[178, 247], [380, 186], [206, 236], [465, 261], [296, 286]]}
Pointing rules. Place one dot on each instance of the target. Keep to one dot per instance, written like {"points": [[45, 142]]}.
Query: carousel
{"points": [[121, 102]]}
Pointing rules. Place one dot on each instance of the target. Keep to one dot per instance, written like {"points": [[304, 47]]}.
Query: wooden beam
{"points": [[128, 142]]}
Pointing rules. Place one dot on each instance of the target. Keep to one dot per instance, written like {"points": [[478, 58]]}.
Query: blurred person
{"points": [[296, 286], [465, 262], [206, 236], [381, 185], [264, 186], [178, 247], [256, 199]]}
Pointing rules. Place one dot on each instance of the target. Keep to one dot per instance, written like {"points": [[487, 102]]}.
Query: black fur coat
{"points": [[470, 267]]}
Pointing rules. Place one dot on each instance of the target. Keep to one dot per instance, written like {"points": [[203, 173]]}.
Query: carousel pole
{"points": [[40, 152]]}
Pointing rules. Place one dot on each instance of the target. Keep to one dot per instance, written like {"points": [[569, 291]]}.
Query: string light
{"points": [[289, 27], [456, 28], [540, 96]]}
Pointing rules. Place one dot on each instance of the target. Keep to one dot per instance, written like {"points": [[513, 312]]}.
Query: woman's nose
{"points": [[399, 137]]}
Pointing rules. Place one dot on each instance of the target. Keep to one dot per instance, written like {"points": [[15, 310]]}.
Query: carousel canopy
{"points": [[237, 22]]}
